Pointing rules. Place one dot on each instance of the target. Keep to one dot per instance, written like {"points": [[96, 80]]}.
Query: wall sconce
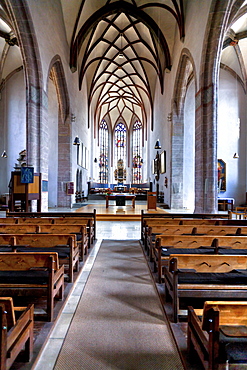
{"points": [[157, 160], [166, 182], [4, 154], [235, 156], [95, 160], [73, 117], [76, 141], [157, 145]]}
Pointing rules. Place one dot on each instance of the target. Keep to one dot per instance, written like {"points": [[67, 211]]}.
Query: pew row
{"points": [[205, 277], [32, 274], [155, 222], [58, 221], [155, 230], [64, 244], [79, 230], [218, 333], [16, 332], [178, 218], [58, 217], [194, 244]]}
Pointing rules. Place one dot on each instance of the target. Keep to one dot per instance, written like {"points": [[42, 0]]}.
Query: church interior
{"points": [[123, 139]]}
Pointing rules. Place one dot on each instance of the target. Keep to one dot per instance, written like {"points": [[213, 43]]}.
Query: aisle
{"points": [[119, 322]]}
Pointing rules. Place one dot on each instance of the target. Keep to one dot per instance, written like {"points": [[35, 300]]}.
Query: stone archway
{"points": [[57, 76], [206, 105], [185, 75]]}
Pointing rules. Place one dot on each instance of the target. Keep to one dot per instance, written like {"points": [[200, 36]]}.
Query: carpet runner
{"points": [[119, 322]]}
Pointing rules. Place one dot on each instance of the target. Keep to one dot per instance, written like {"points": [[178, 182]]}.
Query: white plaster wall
{"points": [[13, 122], [230, 139], [196, 15], [189, 150], [49, 13], [162, 131], [52, 145], [50, 32], [80, 127]]}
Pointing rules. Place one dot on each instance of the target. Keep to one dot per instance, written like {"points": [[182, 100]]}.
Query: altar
{"points": [[120, 199]]}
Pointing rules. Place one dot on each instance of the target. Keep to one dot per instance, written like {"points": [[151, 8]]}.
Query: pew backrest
{"points": [[198, 229], [196, 241], [230, 313], [38, 240], [207, 263], [43, 228]]}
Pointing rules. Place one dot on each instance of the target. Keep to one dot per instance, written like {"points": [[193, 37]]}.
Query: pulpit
{"points": [[24, 186]]}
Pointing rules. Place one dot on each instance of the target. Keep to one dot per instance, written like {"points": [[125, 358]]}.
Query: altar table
{"points": [[118, 197]]}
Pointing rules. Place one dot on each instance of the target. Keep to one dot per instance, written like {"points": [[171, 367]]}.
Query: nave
{"points": [[108, 230]]}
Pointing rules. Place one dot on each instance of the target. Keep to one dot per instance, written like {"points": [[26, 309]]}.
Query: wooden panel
{"points": [[152, 200], [34, 187], [18, 188]]}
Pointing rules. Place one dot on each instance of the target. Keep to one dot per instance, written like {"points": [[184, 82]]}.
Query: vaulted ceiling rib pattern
{"points": [[121, 50]]}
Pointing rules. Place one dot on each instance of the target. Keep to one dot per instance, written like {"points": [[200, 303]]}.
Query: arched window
{"points": [[137, 160], [120, 149], [103, 156]]}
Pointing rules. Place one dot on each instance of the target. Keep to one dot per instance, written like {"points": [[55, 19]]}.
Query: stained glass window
{"points": [[137, 160], [103, 156], [120, 149]]}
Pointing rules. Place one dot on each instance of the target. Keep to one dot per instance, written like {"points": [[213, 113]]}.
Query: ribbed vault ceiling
{"points": [[122, 50]]}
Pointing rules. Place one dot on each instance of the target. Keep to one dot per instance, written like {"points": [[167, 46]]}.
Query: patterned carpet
{"points": [[119, 322]]}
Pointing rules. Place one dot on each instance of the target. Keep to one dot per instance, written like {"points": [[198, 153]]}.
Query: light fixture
{"points": [[157, 160], [76, 141], [157, 145], [4, 154], [169, 117], [73, 117], [235, 156], [95, 160]]}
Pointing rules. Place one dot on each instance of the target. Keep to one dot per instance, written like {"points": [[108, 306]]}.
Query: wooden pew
{"points": [[4, 220], [179, 217], [210, 244], [153, 231], [205, 277], [79, 230], [16, 332], [215, 327], [64, 244], [155, 221], [61, 215], [34, 274], [59, 221]]}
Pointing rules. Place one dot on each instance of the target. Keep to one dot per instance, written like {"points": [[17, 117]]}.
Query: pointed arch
{"points": [[220, 16], [57, 76], [56, 72], [185, 75], [21, 19]]}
